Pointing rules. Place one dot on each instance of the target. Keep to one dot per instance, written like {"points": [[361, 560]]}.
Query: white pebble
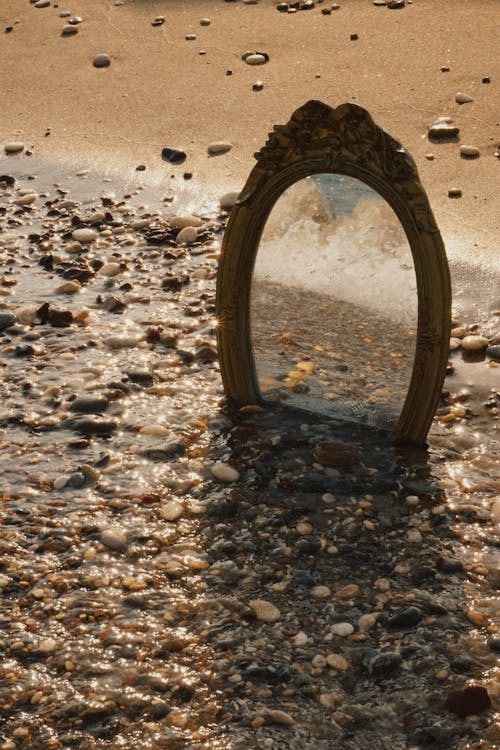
{"points": [[110, 269], [342, 628], [366, 622], [224, 472], [114, 538], [338, 662], [26, 200], [171, 511], [60, 482], [300, 639], [414, 536], [186, 236], [255, 59], [228, 200], [321, 592], [470, 151], [156, 430], [85, 234], [73, 248]]}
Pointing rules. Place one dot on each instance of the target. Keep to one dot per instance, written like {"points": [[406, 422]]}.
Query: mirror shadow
{"points": [[334, 303]]}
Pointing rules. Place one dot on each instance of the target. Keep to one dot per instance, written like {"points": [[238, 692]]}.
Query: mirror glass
{"points": [[334, 302]]}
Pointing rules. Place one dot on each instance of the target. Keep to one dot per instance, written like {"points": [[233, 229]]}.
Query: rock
{"points": [[101, 60], [91, 426], [13, 147], [354, 37], [171, 511], [384, 662], [42, 4], [224, 472], [114, 538], [335, 454], [257, 86], [282, 7], [110, 269], [26, 200], [474, 343], [89, 404], [187, 236], [281, 717], [120, 342], [442, 129], [219, 147], [69, 287], [493, 352], [454, 193], [470, 152], [84, 234], [405, 618], [321, 592], [6, 320], [338, 662], [155, 430], [494, 645], [228, 200], [462, 98], [158, 21], [468, 701], [255, 58], [69, 30], [343, 629], [173, 155], [190, 37], [204, 21], [396, 4], [366, 622], [187, 220], [264, 610]]}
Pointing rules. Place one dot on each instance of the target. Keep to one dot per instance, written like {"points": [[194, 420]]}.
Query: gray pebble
{"points": [[6, 320], [470, 152], [89, 404], [101, 61]]}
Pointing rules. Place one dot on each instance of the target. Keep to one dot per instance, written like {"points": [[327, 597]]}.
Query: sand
{"points": [[161, 91]]}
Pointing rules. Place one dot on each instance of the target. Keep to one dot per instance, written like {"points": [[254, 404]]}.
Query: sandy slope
{"points": [[159, 89]]}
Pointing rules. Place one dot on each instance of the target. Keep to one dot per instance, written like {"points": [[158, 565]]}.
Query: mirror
{"points": [[333, 311], [321, 255]]}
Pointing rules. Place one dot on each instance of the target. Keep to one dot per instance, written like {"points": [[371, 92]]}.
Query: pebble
{"points": [[114, 538], [6, 320], [405, 618], [26, 200], [474, 343], [224, 472], [442, 128], [330, 699], [348, 591], [158, 21], [190, 37], [257, 86], [156, 430], [110, 269], [42, 4], [204, 21], [173, 155], [396, 4], [468, 701], [69, 30], [343, 629], [171, 511], [321, 592], [366, 622], [187, 236], [120, 342], [301, 639], [101, 60], [89, 404], [13, 147], [338, 662], [264, 610], [281, 717], [60, 482], [255, 58], [335, 454], [471, 152], [217, 148], [462, 98], [187, 220], [85, 235], [454, 193], [69, 287], [493, 352], [228, 200]]}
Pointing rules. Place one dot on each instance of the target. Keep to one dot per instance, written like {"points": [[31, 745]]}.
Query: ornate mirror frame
{"points": [[344, 140]]}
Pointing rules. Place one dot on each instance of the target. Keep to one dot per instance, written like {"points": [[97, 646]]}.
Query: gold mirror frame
{"points": [[344, 140]]}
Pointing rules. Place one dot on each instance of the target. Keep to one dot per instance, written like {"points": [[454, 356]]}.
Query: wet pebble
{"points": [[280, 717], [442, 128], [120, 342], [228, 200], [474, 343], [173, 155], [26, 200], [493, 352], [224, 472], [335, 454], [113, 537], [89, 404], [405, 618], [468, 701], [471, 152], [85, 235], [187, 236], [171, 511], [343, 629], [264, 610], [219, 147], [6, 320]]}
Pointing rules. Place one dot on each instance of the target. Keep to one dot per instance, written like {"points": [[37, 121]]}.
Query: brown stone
{"points": [[468, 701], [337, 455]]}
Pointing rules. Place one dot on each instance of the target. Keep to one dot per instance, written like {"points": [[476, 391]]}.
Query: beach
{"points": [[175, 574]]}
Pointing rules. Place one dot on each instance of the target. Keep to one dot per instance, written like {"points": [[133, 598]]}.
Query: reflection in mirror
{"points": [[334, 302]]}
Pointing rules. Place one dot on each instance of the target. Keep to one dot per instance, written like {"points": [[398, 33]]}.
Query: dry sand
{"points": [[161, 91]]}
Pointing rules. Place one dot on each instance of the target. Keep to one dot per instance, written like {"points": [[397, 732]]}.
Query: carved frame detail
{"points": [[344, 140]]}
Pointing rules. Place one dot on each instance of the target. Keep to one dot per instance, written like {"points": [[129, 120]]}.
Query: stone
{"points": [[84, 234], [69, 287], [13, 147], [396, 4], [257, 86], [187, 220], [462, 98], [468, 701], [264, 610], [158, 21], [348, 591], [101, 60], [171, 511], [120, 342], [493, 352], [69, 30], [89, 404], [454, 193], [173, 155], [204, 22], [384, 662], [228, 200], [336, 454], [343, 629], [114, 538], [187, 236], [42, 4], [26, 200], [216, 148], [321, 592], [255, 58], [224, 472], [91, 426], [190, 37], [155, 430], [474, 343], [470, 152], [442, 129], [338, 662], [110, 269], [366, 622], [405, 618], [6, 320], [281, 717]]}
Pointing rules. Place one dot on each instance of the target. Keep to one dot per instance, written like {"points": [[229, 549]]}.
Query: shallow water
{"points": [[129, 568]]}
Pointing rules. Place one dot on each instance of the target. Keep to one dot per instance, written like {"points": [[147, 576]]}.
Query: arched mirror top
{"points": [[344, 140]]}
